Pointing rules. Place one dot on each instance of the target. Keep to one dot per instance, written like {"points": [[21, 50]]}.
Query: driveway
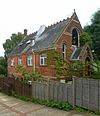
{"points": [[10, 106]]}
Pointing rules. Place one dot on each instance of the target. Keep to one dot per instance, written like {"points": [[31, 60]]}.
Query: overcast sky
{"points": [[16, 15]]}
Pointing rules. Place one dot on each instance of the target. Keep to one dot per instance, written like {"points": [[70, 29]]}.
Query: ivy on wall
{"points": [[55, 60], [63, 69]]}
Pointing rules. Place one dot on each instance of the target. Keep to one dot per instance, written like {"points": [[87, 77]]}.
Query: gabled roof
{"points": [[76, 54], [50, 35], [46, 39]]}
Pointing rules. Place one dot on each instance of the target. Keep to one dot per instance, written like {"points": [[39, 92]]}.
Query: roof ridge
{"points": [[55, 23], [32, 34]]}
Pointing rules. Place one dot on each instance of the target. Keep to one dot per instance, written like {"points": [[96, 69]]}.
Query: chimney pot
{"points": [[25, 32]]}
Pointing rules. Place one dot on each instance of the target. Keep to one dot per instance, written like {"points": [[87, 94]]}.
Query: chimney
{"points": [[25, 32]]}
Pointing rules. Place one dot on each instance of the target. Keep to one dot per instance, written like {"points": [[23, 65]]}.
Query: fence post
{"points": [[48, 89], [74, 92], [34, 89]]}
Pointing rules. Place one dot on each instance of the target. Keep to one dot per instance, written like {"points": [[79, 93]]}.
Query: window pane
{"points": [[64, 51], [43, 58], [45, 61], [41, 61], [12, 62], [19, 61], [29, 60]]}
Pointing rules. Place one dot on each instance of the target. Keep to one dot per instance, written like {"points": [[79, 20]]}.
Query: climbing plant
{"points": [[33, 75]]}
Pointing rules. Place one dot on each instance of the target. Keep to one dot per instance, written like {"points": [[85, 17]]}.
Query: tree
{"points": [[11, 43], [94, 31], [85, 38], [2, 66]]}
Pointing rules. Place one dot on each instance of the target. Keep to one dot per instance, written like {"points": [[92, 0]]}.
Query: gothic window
{"points": [[75, 37], [64, 51]]}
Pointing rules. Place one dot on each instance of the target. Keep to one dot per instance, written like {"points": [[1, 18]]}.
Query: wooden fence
{"points": [[52, 90], [82, 92], [87, 93], [11, 84]]}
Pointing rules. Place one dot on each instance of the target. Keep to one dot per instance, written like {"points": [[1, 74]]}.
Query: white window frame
{"points": [[29, 60], [64, 52], [43, 59], [12, 62], [19, 61]]}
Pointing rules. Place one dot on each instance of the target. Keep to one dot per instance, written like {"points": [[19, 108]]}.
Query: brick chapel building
{"points": [[61, 36]]}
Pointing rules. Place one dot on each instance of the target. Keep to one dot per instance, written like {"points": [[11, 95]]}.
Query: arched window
{"points": [[64, 51], [75, 37]]}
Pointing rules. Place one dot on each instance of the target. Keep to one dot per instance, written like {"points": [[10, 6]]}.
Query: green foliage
{"points": [[55, 60], [1, 89], [78, 69], [54, 104], [2, 66], [80, 109], [96, 70], [33, 75], [49, 103], [60, 105], [63, 68], [85, 38], [94, 31], [11, 43], [59, 63], [21, 69]]}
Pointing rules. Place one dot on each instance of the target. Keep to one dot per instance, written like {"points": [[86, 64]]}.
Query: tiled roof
{"points": [[50, 35], [47, 39], [23, 44]]}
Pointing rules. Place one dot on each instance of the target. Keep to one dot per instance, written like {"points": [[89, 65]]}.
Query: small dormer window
{"points": [[75, 37], [28, 42], [12, 62], [64, 51]]}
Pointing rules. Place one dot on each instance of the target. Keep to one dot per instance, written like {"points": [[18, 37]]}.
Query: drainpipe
{"points": [[33, 42], [34, 61]]}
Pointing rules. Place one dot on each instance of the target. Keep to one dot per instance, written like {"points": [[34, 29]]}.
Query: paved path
{"points": [[10, 106]]}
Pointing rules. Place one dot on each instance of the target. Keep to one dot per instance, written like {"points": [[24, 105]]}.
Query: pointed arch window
{"points": [[75, 37], [64, 51]]}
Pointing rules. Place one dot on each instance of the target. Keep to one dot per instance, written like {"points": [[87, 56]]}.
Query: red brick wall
{"points": [[44, 70], [66, 37], [12, 69]]}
